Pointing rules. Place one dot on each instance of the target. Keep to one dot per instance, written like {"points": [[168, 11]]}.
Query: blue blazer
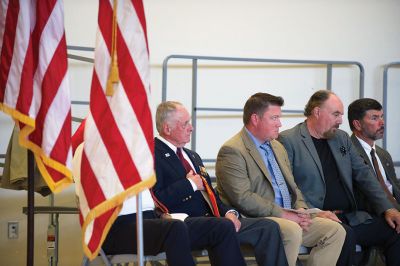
{"points": [[172, 187], [308, 174]]}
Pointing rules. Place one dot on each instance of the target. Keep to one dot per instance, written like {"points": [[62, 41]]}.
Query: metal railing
{"points": [[78, 57], [385, 100], [194, 60]]}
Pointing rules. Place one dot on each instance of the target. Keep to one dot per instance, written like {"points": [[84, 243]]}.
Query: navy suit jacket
{"points": [[387, 164], [174, 190], [307, 170]]}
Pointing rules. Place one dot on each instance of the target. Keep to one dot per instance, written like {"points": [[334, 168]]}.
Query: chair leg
{"points": [[105, 258], [85, 261]]}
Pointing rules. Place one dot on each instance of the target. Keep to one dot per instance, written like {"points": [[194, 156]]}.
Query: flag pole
{"points": [[139, 229], [30, 212]]}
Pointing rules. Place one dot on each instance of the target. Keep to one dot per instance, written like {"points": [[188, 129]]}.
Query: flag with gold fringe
{"points": [[117, 159], [34, 87]]}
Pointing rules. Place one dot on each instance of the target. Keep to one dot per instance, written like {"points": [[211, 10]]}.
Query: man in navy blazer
{"points": [[366, 121], [183, 191], [327, 168], [161, 233]]}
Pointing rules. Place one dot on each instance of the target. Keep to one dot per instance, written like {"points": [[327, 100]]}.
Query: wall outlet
{"points": [[13, 230]]}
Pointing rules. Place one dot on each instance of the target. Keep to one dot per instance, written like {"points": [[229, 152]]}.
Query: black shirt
{"points": [[336, 197]]}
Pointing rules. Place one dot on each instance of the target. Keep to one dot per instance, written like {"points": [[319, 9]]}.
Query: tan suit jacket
{"points": [[243, 179]]}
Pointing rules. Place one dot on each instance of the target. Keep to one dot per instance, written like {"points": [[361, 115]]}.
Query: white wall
{"points": [[359, 30]]}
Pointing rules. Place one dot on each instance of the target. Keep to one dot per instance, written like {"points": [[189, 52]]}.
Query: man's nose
{"points": [[340, 119]]}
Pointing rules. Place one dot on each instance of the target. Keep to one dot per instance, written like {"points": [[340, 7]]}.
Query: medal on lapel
{"points": [[203, 171]]}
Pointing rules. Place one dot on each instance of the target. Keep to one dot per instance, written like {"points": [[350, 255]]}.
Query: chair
{"points": [[159, 259], [123, 259]]}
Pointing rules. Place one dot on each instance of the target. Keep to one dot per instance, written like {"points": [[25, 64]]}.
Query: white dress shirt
{"points": [[367, 148]]}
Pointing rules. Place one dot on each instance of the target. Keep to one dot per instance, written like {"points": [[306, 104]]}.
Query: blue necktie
{"points": [[277, 175]]}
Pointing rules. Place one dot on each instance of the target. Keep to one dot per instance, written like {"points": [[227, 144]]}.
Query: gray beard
{"points": [[374, 136], [329, 134]]}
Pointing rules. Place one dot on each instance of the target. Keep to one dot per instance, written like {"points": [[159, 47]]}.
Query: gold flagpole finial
{"points": [[113, 77]]}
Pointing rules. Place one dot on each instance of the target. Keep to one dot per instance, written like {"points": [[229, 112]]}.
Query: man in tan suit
{"points": [[254, 176]]}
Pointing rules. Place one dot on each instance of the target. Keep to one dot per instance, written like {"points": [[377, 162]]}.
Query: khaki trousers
{"points": [[325, 236]]}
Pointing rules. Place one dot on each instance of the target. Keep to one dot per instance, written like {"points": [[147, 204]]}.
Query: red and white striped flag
{"points": [[34, 87], [117, 160]]}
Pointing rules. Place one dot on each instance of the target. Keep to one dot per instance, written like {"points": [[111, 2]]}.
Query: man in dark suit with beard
{"points": [[327, 168]]}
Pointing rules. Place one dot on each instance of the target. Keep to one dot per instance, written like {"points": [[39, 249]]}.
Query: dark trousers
{"points": [[176, 239], [347, 256], [265, 237], [375, 233]]}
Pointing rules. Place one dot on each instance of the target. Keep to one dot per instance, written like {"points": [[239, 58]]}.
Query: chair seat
{"points": [[126, 258], [109, 260]]}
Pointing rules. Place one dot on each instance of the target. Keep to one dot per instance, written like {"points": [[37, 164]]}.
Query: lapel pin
{"points": [[343, 150], [167, 155]]}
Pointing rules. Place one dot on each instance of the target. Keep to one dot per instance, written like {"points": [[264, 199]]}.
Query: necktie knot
{"points": [[372, 152], [179, 152], [266, 147]]}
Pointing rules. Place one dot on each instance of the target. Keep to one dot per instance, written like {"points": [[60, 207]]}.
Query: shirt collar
{"points": [[366, 146], [254, 139], [169, 144]]}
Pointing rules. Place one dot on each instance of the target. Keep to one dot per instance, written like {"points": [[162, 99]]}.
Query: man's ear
{"points": [[357, 125], [254, 119], [166, 129], [316, 111]]}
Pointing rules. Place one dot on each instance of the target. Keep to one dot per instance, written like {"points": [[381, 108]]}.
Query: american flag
{"points": [[34, 86], [117, 159]]}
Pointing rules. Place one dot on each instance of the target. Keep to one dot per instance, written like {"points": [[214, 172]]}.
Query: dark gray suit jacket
{"points": [[308, 173], [387, 164]]}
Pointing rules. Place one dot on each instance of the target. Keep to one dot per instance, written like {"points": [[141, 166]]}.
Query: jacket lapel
{"points": [[341, 159], [193, 160], [361, 151], [255, 154], [197, 165], [306, 137], [169, 157], [283, 167], [384, 161]]}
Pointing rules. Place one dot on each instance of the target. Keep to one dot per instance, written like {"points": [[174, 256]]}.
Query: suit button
{"points": [[190, 197]]}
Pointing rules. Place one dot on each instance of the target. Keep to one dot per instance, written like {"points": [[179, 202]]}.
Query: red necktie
{"points": [[210, 193]]}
